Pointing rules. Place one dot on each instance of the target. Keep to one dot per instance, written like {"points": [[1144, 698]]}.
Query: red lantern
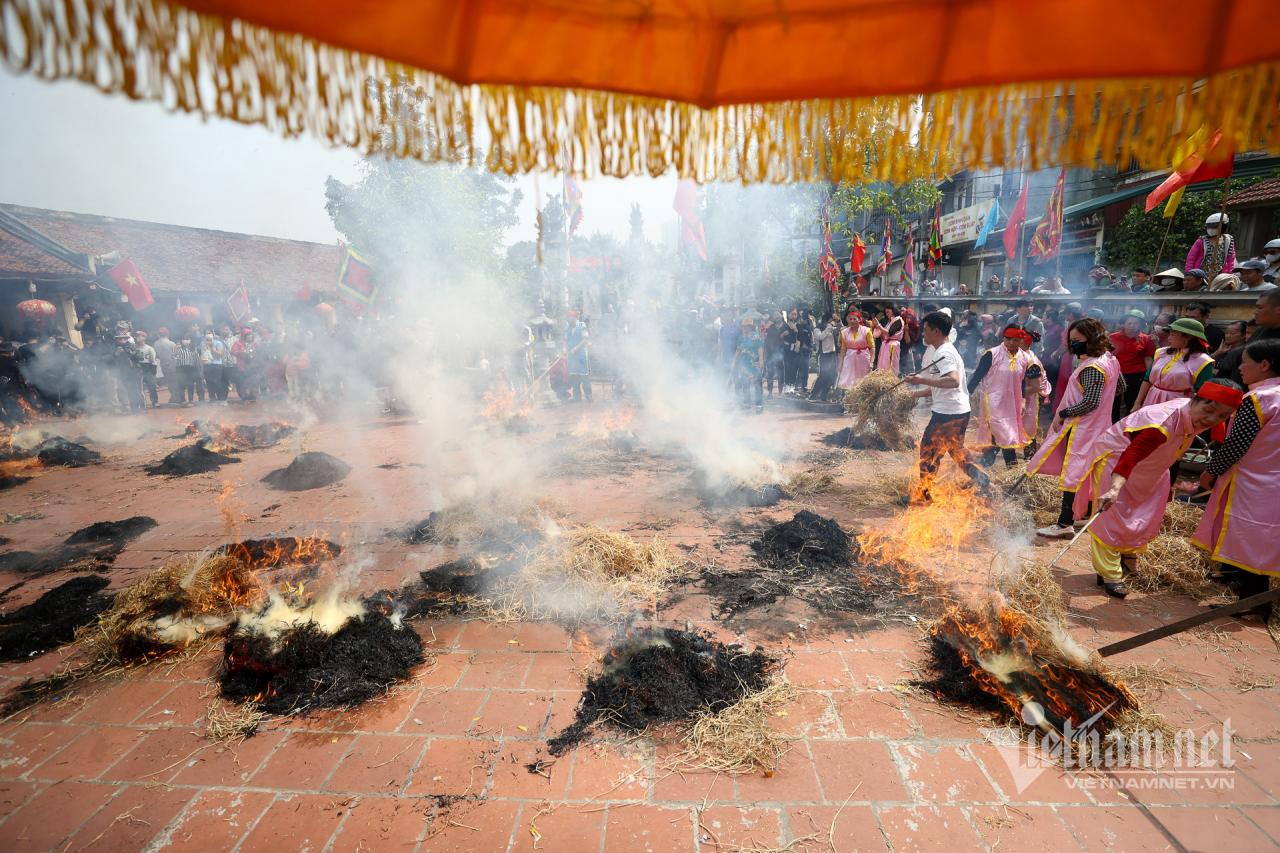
{"points": [[323, 309], [37, 309], [187, 312]]}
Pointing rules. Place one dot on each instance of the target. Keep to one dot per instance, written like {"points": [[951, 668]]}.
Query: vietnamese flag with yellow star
{"points": [[126, 277]]}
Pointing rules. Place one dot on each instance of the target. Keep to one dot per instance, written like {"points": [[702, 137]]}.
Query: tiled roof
{"points": [[19, 259], [1263, 192], [178, 259]]}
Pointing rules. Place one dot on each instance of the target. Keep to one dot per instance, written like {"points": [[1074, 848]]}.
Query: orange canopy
{"points": [[754, 89]]}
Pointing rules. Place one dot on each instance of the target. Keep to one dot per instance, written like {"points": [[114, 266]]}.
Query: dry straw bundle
{"points": [[588, 573], [1170, 561], [738, 739], [1038, 495], [804, 484], [881, 405]]}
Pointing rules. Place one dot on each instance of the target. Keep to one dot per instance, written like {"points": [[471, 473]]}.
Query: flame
{"points": [[603, 425], [926, 532], [503, 404], [27, 408], [231, 513]]}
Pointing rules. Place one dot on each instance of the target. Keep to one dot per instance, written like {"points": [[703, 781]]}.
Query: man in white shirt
{"points": [[944, 383]]}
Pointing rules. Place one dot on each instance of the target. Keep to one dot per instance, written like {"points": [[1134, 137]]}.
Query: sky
{"points": [[67, 146]]}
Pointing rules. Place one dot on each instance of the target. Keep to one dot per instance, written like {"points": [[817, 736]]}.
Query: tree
{"points": [[414, 221]]}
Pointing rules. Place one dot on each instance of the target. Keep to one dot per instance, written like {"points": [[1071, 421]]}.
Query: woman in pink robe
{"points": [[1128, 478], [890, 341], [999, 377], [1082, 416], [1179, 368], [1036, 388], [857, 345], [1241, 524]]}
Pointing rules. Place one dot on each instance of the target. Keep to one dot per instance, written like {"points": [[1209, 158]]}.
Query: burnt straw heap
{"points": [[663, 676]]}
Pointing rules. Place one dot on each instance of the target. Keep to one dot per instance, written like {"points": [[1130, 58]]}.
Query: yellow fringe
{"points": [[155, 51]]}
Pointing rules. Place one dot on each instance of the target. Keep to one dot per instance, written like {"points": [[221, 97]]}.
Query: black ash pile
{"points": [[311, 470], [1001, 661], [731, 495], [230, 438], [847, 438], [192, 459], [91, 548], [813, 559], [51, 621], [664, 676], [449, 589], [304, 668], [57, 452]]}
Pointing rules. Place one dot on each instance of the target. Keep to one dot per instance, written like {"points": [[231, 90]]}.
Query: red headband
{"points": [[1221, 394], [1017, 334], [855, 315]]}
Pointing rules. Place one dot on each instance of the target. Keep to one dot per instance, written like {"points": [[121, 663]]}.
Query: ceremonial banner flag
{"points": [[126, 276], [238, 303], [355, 277], [573, 203], [1047, 239], [988, 225], [858, 255], [686, 204], [886, 250], [909, 260], [935, 239], [827, 265], [1210, 157], [1013, 228]]}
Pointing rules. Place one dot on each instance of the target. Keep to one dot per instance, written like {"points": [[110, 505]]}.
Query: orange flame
{"points": [[27, 408], [949, 522], [503, 404]]}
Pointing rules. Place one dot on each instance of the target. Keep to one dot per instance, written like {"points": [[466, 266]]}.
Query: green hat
{"points": [[1134, 312], [1194, 328]]}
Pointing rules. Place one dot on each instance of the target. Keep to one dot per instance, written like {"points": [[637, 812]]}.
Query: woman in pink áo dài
{"points": [[1180, 368], [1083, 414], [890, 336], [1000, 375], [1128, 479], [1037, 388], [857, 346]]}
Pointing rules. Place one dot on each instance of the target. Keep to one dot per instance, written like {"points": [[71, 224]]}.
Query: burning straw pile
{"points": [[292, 657], [239, 437], [586, 574], [880, 406], [665, 676], [999, 660]]}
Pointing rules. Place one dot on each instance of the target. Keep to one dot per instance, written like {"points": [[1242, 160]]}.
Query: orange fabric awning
{"points": [[756, 90], [717, 52]]}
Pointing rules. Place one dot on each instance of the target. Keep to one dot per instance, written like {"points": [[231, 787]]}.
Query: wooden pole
{"points": [[1268, 597], [1163, 239]]}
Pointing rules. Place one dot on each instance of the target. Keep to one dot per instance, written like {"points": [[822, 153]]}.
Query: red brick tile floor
{"points": [[439, 764]]}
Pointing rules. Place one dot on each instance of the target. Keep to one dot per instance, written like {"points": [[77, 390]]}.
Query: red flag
{"points": [[1048, 237], [886, 250], [858, 255], [238, 304], [1197, 167], [1013, 228], [909, 260], [126, 276], [686, 204]]}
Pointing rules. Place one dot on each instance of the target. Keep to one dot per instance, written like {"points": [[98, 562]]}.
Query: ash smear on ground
{"points": [[12, 482], [34, 690], [192, 459], [664, 676], [51, 621], [57, 452], [304, 668], [311, 470], [846, 438], [113, 531], [735, 496], [811, 558], [497, 537]]}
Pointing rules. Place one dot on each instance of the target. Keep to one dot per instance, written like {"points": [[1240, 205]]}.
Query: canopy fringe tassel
{"points": [[152, 50]]}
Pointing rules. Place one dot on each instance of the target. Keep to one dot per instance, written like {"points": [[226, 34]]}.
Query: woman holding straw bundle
{"points": [[1178, 369], [1128, 477], [1083, 415], [857, 345], [1001, 374], [890, 336], [1241, 525]]}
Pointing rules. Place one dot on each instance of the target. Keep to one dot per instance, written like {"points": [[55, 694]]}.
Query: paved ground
{"points": [[439, 764]]}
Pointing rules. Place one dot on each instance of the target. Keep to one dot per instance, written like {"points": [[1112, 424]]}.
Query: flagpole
{"points": [[1163, 240]]}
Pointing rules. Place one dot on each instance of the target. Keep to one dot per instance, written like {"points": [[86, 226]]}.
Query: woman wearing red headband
{"points": [[1001, 374], [1128, 479], [1241, 524], [1035, 390], [857, 345]]}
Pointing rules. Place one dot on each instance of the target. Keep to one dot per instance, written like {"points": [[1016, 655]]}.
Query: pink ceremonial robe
{"points": [[1066, 451], [1000, 415], [1031, 407], [1196, 256], [1172, 377], [1241, 524], [1135, 518], [856, 361], [891, 347]]}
